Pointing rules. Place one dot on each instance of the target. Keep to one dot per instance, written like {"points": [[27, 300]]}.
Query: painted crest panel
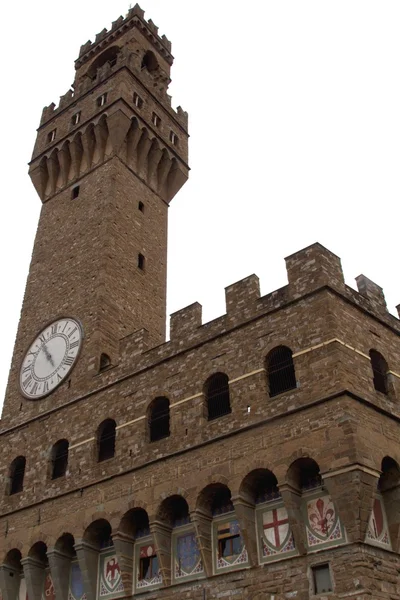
{"points": [[148, 574], [110, 581], [76, 590], [186, 556], [274, 533], [323, 526], [378, 530], [228, 545], [48, 588]]}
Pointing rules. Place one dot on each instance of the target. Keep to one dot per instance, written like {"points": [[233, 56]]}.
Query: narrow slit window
{"points": [[141, 206], [137, 100], [51, 136], [173, 138], [17, 473], [75, 192], [141, 261], [101, 100], [156, 120], [76, 118]]}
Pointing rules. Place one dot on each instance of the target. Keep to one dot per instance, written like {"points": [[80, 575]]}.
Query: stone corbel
{"points": [[34, 573], [60, 567], [88, 558], [162, 540], [246, 515], [124, 547], [202, 523], [10, 580], [292, 500]]}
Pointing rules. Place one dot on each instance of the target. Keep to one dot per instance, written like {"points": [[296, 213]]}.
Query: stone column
{"points": [[292, 500], [34, 573], [352, 490], [88, 558], [60, 567], [10, 579], [162, 540], [246, 515], [202, 523], [124, 547]]}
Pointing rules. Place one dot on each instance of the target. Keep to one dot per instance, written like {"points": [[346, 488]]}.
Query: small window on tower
{"points": [[101, 100], [173, 138], [322, 579], [141, 261], [76, 118], [137, 101], [75, 192], [141, 206], [51, 136], [156, 120]]}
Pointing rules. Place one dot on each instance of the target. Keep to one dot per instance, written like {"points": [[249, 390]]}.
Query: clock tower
{"points": [[106, 163]]}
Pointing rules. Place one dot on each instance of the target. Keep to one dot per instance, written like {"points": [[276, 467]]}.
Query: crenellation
{"points": [[153, 27], [242, 295], [66, 99], [184, 322], [100, 36], [373, 293]]}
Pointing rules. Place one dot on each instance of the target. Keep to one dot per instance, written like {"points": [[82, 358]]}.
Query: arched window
{"points": [[379, 370], [149, 61], [59, 458], [110, 56], [217, 396], [105, 361], [159, 419], [280, 371], [17, 472], [106, 440]]}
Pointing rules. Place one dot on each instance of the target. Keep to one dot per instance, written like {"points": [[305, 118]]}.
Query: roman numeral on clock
{"points": [[71, 333], [54, 328], [69, 360], [27, 382], [74, 345]]}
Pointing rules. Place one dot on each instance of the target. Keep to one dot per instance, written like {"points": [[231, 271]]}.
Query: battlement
{"points": [[308, 270], [126, 57], [135, 16]]}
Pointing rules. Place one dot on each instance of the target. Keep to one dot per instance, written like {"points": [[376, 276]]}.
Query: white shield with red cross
{"points": [[276, 527]]}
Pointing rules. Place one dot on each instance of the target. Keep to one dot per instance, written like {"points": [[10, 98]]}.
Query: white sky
{"points": [[295, 137]]}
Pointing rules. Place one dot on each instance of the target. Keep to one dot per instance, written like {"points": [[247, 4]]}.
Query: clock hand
{"points": [[48, 355]]}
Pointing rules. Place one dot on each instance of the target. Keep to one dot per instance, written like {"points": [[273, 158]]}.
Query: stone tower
{"points": [[254, 457], [106, 163]]}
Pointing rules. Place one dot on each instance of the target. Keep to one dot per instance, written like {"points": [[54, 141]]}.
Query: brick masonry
{"points": [[86, 255]]}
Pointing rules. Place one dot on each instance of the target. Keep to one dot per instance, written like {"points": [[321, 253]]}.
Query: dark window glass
{"points": [[159, 419], [17, 473], [322, 579], [148, 567], [280, 370], [106, 440], [217, 395], [379, 370], [60, 459]]}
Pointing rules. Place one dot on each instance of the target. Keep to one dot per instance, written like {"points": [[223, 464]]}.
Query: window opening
{"points": [[141, 206], [75, 192], [155, 119], [101, 100], [51, 136], [280, 369], [60, 459], [217, 395], [159, 419], [105, 361], [141, 261], [149, 62], [229, 546], [137, 101], [107, 441], [17, 475], [173, 138], [322, 579], [148, 567], [76, 118], [379, 370]]}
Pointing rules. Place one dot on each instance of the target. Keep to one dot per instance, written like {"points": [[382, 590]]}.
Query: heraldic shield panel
{"points": [[323, 526], [228, 547], [274, 534], [186, 556], [76, 591], [378, 531], [109, 579]]}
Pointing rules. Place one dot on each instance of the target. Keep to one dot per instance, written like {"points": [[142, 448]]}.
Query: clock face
{"points": [[50, 358]]}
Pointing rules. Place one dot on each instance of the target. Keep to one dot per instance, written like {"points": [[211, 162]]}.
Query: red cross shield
{"points": [[276, 526]]}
